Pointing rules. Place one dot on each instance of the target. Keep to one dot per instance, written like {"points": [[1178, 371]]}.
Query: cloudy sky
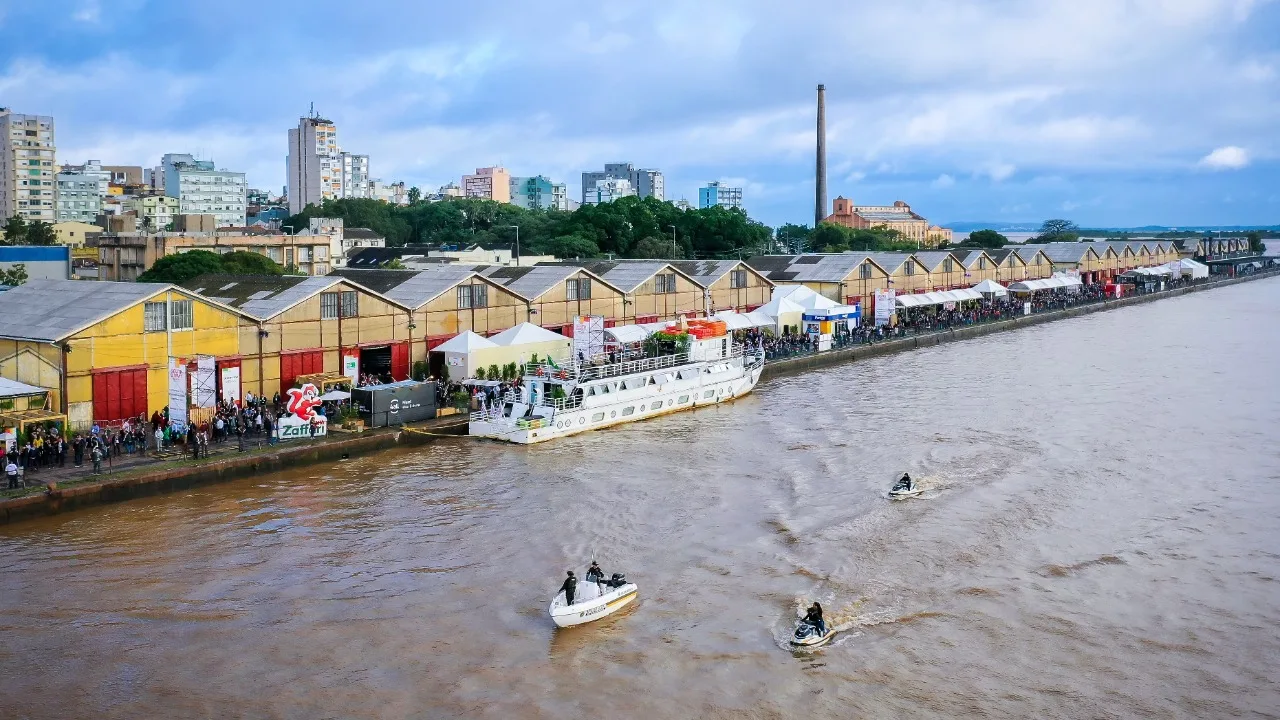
{"points": [[1108, 112]]}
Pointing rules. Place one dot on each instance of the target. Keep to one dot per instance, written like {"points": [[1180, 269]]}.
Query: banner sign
{"points": [[204, 388], [885, 305], [1026, 308], [231, 384], [178, 393], [351, 367], [302, 421], [588, 336]]}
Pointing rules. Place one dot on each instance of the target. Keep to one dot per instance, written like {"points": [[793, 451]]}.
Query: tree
{"points": [[394, 264], [830, 238], [574, 246], [654, 248], [182, 267], [41, 233], [414, 195], [1058, 231], [1255, 243], [985, 239], [243, 262], [15, 230], [793, 238], [14, 276]]}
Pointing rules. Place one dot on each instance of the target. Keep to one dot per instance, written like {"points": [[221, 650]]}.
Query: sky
{"points": [[1106, 112]]}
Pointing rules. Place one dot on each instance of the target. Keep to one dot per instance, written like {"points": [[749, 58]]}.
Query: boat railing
{"points": [[583, 372]]}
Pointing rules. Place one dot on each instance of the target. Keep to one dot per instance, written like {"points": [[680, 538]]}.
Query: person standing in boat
{"points": [[569, 588], [594, 573]]}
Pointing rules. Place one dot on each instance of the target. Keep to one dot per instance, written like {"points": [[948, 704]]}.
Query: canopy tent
{"points": [[1057, 282], [1195, 269], [782, 311], [744, 321], [804, 297], [990, 287], [760, 320], [526, 333], [462, 353], [13, 388], [626, 334], [937, 298], [334, 395]]}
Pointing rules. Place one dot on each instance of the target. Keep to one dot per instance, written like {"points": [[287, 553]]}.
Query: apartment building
{"points": [[646, 183], [318, 168], [489, 183], [27, 167], [126, 255], [81, 190], [716, 194], [539, 193], [202, 189]]}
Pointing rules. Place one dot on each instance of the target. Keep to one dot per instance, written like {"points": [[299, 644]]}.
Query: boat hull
{"points": [[640, 405], [584, 612]]}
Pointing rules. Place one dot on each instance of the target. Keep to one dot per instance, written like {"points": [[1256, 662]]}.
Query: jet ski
{"points": [[808, 635], [905, 488]]}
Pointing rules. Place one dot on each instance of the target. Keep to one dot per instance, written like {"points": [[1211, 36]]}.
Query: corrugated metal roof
{"points": [[626, 275], [823, 267], [410, 288], [529, 281], [932, 259], [261, 296], [890, 261], [50, 310]]}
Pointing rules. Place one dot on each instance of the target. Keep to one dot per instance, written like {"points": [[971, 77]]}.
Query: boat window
{"points": [[684, 398], [708, 393], [597, 417], [628, 411], [656, 406]]}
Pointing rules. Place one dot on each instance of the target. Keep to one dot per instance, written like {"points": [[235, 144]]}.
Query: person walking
{"points": [[11, 472], [96, 456]]}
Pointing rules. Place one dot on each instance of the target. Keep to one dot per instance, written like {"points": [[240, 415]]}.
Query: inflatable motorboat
{"points": [[808, 635], [593, 601]]}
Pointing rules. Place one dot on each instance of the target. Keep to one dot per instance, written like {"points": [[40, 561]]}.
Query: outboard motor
{"points": [[617, 581]]}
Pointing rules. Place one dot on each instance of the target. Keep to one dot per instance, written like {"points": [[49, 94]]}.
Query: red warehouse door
{"points": [[294, 364], [119, 394], [400, 360]]}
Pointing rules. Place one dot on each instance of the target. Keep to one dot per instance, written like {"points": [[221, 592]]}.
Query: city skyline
{"points": [[1079, 110]]}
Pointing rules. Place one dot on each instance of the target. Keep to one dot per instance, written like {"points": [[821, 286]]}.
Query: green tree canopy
{"points": [[15, 230], [985, 239], [1058, 230], [792, 238], [182, 267], [1255, 242], [41, 233], [243, 262], [15, 275]]}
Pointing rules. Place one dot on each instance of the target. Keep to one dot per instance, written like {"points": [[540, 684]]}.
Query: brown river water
{"points": [[1099, 539]]}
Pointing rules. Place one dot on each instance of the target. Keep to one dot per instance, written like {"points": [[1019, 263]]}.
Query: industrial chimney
{"points": [[820, 187]]}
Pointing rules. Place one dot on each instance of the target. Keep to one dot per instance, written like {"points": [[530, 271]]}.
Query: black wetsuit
{"points": [[569, 587], [814, 618]]}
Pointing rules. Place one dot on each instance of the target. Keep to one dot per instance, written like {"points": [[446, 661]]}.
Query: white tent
{"points": [[759, 319], [526, 334], [991, 287], [1195, 269], [626, 334], [782, 311], [1054, 283], [462, 353], [804, 297], [744, 321]]}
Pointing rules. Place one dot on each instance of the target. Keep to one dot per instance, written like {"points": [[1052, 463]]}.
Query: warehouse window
{"points": [[349, 304], [182, 315], [982, 263], [153, 314], [577, 289], [738, 279], [329, 306], [910, 268], [948, 265], [473, 296], [664, 283], [864, 271]]}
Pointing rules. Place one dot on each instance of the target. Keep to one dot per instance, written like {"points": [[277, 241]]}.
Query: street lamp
{"points": [[517, 227], [673, 241], [293, 243]]}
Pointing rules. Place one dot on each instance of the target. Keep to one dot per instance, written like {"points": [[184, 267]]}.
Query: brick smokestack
{"points": [[820, 187]]}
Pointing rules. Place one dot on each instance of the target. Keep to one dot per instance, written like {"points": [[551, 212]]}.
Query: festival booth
{"points": [[990, 289], [1069, 283], [460, 355], [395, 403], [822, 325], [1197, 271], [22, 407]]}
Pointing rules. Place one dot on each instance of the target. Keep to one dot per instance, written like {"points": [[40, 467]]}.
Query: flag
{"points": [[552, 363]]}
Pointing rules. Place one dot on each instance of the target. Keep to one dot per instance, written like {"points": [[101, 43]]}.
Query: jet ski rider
{"points": [[905, 482], [814, 618]]}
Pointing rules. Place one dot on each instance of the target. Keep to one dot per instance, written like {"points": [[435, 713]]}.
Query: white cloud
{"points": [[998, 171], [855, 176], [1229, 157], [944, 181], [90, 12]]}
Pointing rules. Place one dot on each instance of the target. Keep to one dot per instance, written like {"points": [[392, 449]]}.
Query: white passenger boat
{"points": [[559, 400], [592, 602]]}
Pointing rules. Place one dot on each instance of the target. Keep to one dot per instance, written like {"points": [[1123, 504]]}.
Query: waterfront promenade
{"points": [[139, 476]]}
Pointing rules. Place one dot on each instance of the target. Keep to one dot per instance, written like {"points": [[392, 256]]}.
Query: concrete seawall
{"points": [[184, 475]]}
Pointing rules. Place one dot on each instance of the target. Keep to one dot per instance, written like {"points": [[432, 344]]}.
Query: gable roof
{"points": [[707, 272], [534, 281], [465, 342], [411, 289], [1001, 254], [932, 259], [524, 334], [51, 310], [359, 233], [890, 261], [1072, 252], [626, 275], [264, 296], [967, 256], [814, 267]]}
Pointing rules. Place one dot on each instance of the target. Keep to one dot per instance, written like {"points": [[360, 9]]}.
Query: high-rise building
{"points": [[608, 190], [27, 167], [81, 189], [202, 189], [645, 183], [319, 170], [539, 193], [490, 183], [715, 194]]}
